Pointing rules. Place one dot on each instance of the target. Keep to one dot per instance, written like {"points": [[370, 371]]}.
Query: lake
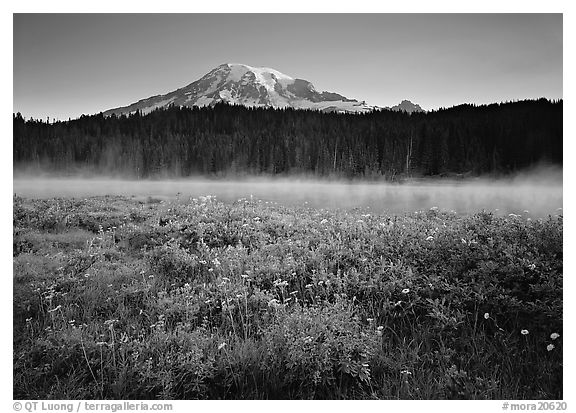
{"points": [[539, 195]]}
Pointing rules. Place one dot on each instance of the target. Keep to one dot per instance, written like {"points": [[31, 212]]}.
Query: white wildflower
{"points": [[273, 303], [55, 309]]}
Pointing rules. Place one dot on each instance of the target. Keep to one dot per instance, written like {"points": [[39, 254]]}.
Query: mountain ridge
{"points": [[406, 106], [241, 84]]}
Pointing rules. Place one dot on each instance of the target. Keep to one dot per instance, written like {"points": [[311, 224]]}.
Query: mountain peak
{"points": [[241, 84], [407, 106], [258, 70]]}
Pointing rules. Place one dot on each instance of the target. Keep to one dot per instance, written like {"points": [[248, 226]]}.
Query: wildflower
{"points": [[405, 291], [207, 301], [221, 346], [210, 269], [273, 303], [55, 309], [430, 238], [524, 332], [369, 320], [308, 285], [365, 365], [550, 347], [398, 303], [239, 295], [380, 328], [486, 316], [463, 241], [532, 267], [554, 336], [280, 283], [29, 319], [407, 372]]}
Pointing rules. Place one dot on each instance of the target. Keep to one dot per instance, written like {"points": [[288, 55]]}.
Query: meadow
{"points": [[144, 298]]}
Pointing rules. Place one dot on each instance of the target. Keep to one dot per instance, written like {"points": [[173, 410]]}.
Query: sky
{"points": [[66, 65]]}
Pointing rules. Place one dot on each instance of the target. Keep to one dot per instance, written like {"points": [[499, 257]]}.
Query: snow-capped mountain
{"points": [[249, 86], [407, 106]]}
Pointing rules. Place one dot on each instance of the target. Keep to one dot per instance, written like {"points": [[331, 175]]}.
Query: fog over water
{"points": [[539, 192]]}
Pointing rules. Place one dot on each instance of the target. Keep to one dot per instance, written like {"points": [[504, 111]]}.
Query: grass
{"points": [[116, 298]]}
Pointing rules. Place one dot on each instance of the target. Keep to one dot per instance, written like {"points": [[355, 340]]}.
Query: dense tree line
{"points": [[224, 139]]}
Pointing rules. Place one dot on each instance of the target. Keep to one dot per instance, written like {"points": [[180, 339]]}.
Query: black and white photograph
{"points": [[287, 206]]}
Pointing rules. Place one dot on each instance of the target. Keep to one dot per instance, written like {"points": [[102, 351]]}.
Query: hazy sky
{"points": [[69, 64]]}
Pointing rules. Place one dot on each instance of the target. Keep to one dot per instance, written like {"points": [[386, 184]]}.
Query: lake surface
{"points": [[539, 196]]}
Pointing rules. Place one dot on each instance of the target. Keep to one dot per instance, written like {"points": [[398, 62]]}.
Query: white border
{"points": [[303, 6]]}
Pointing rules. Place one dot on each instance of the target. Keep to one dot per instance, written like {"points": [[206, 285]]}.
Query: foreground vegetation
{"points": [[116, 298]]}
